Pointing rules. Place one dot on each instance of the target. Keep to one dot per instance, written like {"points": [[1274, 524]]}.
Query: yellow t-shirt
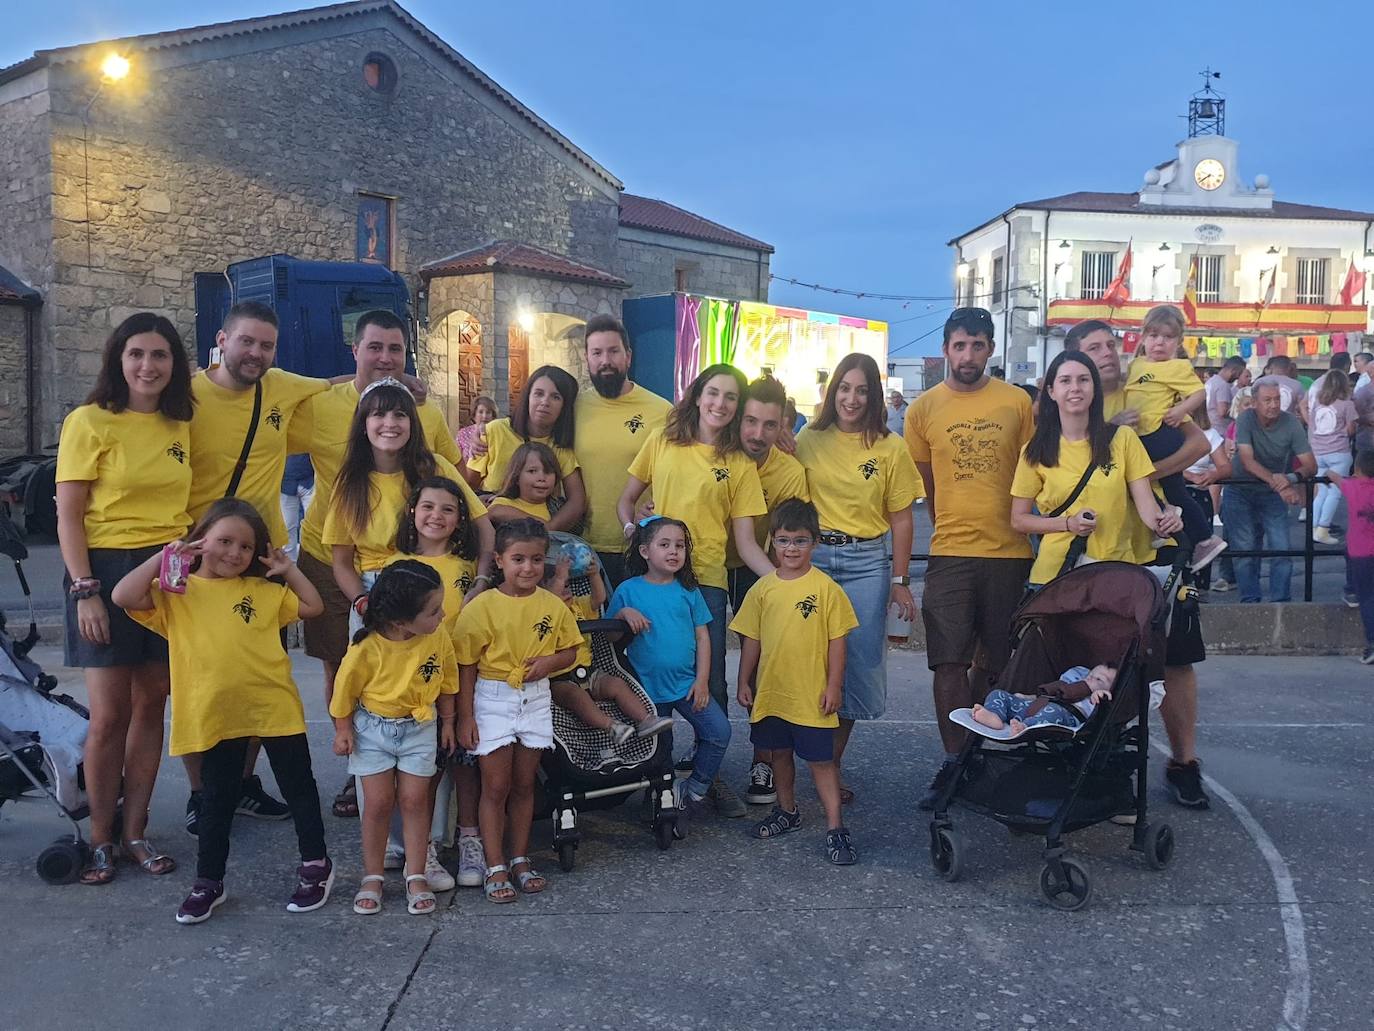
{"points": [[1113, 404], [1106, 494], [502, 443], [972, 441], [853, 486], [388, 492], [499, 633], [705, 491], [395, 679], [611, 432], [218, 430], [1152, 388], [231, 677], [320, 428], [137, 468], [456, 572], [581, 607], [539, 510], [781, 476], [794, 622]]}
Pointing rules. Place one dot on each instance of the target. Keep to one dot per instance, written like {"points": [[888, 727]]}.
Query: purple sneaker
{"points": [[200, 904], [312, 891]]}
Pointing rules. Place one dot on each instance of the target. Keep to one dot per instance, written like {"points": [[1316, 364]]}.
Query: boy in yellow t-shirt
{"points": [[796, 620]]}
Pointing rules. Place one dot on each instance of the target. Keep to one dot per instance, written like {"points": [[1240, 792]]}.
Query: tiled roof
{"points": [[14, 290], [662, 217], [330, 12], [523, 258]]}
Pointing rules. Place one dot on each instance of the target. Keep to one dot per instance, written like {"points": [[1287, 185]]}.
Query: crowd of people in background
{"points": [[417, 561]]}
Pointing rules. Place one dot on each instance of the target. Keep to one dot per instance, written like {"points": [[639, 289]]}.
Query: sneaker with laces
{"points": [[1322, 535], [839, 849], [725, 800], [472, 861], [436, 873], [200, 904], [777, 823], [684, 765], [1351, 599], [257, 803], [1368, 657], [193, 814], [1184, 781], [760, 790], [1221, 585], [1206, 552], [653, 724], [393, 859], [690, 808], [314, 882], [938, 784], [621, 732]]}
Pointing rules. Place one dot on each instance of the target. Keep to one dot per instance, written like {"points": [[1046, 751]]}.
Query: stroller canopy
{"points": [[1114, 589]]}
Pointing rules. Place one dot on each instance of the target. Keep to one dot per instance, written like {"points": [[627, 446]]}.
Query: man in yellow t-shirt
{"points": [[612, 421], [966, 435]]}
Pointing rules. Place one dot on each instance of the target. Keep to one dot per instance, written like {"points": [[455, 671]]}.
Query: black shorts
{"points": [[811, 744], [131, 644], [738, 581], [967, 608]]}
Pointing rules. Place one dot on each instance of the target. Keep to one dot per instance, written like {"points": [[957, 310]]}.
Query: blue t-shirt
{"points": [[665, 655]]}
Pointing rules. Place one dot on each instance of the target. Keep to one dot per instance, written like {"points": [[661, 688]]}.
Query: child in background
{"points": [[231, 681], [1359, 539], [580, 688], [509, 642], [671, 650], [533, 487], [1165, 390], [400, 664], [1066, 702], [792, 628], [437, 529]]}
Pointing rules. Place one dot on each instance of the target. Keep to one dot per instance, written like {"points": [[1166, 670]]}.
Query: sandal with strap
{"points": [[101, 868], [153, 861], [346, 801], [528, 879], [366, 894], [416, 903], [500, 890]]}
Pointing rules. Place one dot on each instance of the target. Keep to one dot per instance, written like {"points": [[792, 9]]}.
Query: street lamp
{"points": [[114, 68]]}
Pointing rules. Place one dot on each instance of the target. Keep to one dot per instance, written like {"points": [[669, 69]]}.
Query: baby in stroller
{"points": [[1066, 702]]}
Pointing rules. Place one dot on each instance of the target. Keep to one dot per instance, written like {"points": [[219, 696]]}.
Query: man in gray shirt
{"points": [[1273, 454], [1221, 391]]}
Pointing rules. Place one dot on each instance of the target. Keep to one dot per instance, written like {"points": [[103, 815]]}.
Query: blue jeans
{"points": [[1159, 445], [1256, 517], [1328, 494], [864, 572], [1361, 573], [716, 600], [713, 737]]}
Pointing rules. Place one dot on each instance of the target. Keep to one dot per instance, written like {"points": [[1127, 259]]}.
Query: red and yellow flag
{"points": [[1118, 292], [1189, 305]]}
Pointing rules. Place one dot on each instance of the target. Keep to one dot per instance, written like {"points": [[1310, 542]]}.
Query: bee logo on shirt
{"points": [[869, 469], [430, 668], [544, 627], [463, 583], [1107, 468], [807, 606], [1146, 377], [274, 418], [635, 423], [177, 451], [720, 474], [243, 608]]}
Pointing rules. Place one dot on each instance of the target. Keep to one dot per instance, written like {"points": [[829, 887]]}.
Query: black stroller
{"points": [[42, 734], [1053, 780]]}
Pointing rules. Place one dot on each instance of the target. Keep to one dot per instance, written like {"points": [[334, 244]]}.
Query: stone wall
{"points": [[12, 379], [649, 262]]}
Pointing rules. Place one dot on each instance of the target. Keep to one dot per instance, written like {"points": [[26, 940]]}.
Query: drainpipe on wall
{"points": [[758, 277], [1045, 296], [1007, 306], [30, 378]]}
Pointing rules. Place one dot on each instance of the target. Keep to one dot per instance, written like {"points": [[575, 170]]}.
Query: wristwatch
{"points": [[901, 581]]}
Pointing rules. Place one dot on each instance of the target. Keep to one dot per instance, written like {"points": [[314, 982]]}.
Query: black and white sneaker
{"points": [[193, 814], [1184, 781], [938, 784], [760, 790], [1368, 657], [684, 765], [257, 803]]}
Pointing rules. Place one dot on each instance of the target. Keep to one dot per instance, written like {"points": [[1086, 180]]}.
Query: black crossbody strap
{"points": [[242, 464], [1078, 545]]}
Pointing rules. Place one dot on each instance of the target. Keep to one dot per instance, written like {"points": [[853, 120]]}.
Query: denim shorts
{"points": [[381, 744], [812, 744], [506, 716]]}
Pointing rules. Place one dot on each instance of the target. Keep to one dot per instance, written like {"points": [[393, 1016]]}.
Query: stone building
{"points": [[340, 133], [662, 248], [19, 305]]}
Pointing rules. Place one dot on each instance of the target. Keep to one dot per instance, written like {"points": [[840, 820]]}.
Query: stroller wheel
{"points": [[62, 861], [947, 852], [1158, 845], [1069, 891], [567, 856], [663, 832]]}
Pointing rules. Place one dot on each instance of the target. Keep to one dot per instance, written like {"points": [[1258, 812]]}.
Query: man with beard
{"points": [[612, 421], [965, 436]]}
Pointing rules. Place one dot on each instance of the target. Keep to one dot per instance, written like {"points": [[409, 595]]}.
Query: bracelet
{"points": [[1066, 524], [357, 598], [482, 577], [86, 592]]}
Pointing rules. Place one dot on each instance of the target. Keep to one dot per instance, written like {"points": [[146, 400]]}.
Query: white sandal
{"points": [[413, 902], [367, 895]]}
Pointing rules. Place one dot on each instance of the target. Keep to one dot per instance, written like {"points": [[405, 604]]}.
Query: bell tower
{"points": [[1207, 108]]}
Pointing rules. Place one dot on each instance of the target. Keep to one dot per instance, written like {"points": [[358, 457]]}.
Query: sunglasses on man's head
{"points": [[970, 315]]}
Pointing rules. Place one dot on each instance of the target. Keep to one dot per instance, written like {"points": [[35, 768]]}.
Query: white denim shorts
{"points": [[381, 744], [506, 716]]}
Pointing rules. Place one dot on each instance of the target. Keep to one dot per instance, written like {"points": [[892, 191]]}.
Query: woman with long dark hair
{"points": [[863, 483], [1070, 436], [123, 484]]}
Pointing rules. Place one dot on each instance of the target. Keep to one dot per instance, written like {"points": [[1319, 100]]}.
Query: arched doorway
{"points": [[455, 352]]}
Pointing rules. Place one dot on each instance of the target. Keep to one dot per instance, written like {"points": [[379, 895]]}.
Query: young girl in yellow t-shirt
{"points": [[533, 487], [400, 664], [231, 681], [509, 642]]}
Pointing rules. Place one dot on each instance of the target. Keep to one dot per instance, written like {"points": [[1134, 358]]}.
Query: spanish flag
{"points": [[1118, 292], [1190, 294]]}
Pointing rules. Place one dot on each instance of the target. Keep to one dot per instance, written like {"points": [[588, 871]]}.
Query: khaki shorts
{"points": [[326, 636], [967, 609]]}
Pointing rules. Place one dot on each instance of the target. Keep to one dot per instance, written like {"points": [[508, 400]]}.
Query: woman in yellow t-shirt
{"points": [[701, 475], [123, 484], [863, 483], [1070, 434], [544, 414], [532, 488]]}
